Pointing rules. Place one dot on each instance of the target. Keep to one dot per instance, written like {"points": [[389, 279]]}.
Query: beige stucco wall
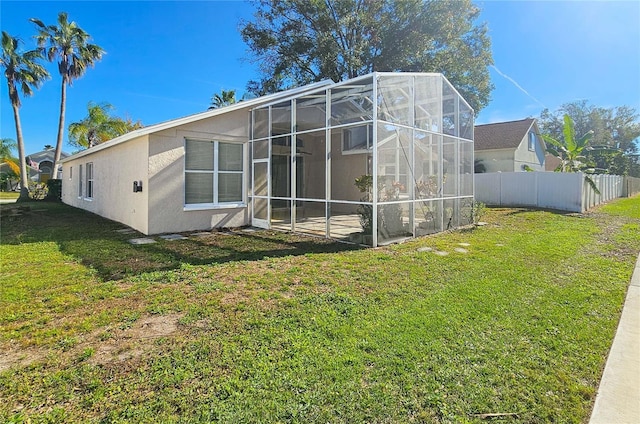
{"points": [[114, 170], [166, 175], [345, 168]]}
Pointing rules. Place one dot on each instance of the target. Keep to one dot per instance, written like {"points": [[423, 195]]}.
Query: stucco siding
{"points": [[167, 212], [496, 160], [114, 171], [524, 156]]}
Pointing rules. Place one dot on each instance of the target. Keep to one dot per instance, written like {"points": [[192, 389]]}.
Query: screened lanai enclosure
{"points": [[372, 160]]}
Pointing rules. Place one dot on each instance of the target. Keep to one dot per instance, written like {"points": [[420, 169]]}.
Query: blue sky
{"points": [[166, 59]]}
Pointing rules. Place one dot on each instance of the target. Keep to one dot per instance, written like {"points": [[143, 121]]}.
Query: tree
{"points": [[6, 154], [571, 151], [68, 43], [224, 98], [615, 133], [99, 126], [23, 74], [296, 42]]}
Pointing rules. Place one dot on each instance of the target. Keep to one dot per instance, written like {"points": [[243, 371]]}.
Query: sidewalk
{"points": [[618, 398]]}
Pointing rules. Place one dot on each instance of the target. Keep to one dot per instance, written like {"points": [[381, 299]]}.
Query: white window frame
{"points": [[216, 172], [89, 181], [80, 177]]}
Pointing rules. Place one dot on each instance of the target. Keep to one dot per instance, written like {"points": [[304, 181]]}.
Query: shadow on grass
{"points": [[518, 211], [95, 242]]}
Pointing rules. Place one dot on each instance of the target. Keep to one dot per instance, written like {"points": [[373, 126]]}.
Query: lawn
{"points": [[240, 326]]}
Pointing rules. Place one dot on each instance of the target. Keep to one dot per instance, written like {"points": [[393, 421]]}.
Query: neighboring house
{"points": [[42, 163], [39, 167], [514, 146], [290, 161], [551, 162]]}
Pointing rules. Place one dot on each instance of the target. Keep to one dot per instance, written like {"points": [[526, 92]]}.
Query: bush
{"points": [[54, 187]]}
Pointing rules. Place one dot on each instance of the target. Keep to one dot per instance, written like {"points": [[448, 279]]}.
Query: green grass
{"points": [[629, 207], [273, 327]]}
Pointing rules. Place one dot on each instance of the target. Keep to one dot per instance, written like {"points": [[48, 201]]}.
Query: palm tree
{"points": [[571, 151], [68, 43], [6, 148], [23, 73], [98, 126], [225, 98]]}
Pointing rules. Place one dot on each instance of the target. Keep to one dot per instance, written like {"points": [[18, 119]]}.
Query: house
{"points": [[39, 167], [551, 162], [42, 163], [514, 146], [302, 160]]}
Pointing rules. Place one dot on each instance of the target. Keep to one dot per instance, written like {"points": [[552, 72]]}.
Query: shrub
{"points": [[54, 187]]}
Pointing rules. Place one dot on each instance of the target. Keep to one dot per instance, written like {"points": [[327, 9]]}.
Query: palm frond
{"points": [[592, 184], [12, 163], [569, 133]]}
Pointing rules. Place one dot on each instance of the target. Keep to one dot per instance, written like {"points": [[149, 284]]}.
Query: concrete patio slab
{"points": [[173, 237], [143, 240], [618, 398], [250, 229]]}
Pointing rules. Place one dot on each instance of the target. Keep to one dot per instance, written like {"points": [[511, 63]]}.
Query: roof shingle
{"points": [[501, 135]]}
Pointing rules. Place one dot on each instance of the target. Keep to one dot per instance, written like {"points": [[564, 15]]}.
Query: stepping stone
{"points": [[461, 250], [482, 224], [464, 244], [125, 231], [173, 237], [250, 230], [440, 253], [143, 240], [200, 234], [500, 244], [425, 249]]}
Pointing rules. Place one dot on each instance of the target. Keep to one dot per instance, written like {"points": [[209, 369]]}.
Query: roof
{"points": [[501, 135], [47, 154], [198, 116], [271, 98], [551, 162]]}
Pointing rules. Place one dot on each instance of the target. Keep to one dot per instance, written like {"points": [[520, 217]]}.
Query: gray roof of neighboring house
{"points": [[46, 154], [501, 135]]}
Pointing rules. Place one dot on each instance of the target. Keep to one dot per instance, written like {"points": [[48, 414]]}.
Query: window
{"points": [[214, 173], [89, 170], [532, 141], [80, 182], [357, 139]]}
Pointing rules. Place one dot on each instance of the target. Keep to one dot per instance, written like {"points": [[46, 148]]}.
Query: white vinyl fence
{"points": [[551, 190]]}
